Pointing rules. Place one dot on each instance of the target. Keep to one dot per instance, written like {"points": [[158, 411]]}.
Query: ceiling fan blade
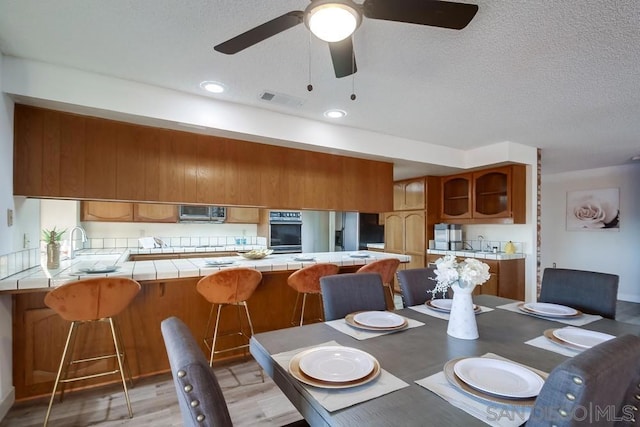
{"points": [[442, 14], [344, 62], [260, 33]]}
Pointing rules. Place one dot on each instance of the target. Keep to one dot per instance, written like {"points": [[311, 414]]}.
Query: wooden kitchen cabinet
{"points": [[154, 212], [500, 193], [489, 196], [106, 211], [243, 216], [409, 194], [65, 155], [507, 277], [404, 233], [456, 196]]}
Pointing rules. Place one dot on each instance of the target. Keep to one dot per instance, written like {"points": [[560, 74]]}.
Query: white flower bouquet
{"points": [[470, 272]]}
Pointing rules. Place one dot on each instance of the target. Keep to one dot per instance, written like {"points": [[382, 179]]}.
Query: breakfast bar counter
{"points": [[168, 288]]}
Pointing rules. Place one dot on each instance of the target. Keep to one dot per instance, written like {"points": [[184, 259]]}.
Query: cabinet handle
{"points": [[162, 286]]}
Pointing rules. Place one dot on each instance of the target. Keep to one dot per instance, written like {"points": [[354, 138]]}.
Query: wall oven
{"points": [[285, 231]]}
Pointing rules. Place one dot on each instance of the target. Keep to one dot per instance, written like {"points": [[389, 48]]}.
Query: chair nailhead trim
{"points": [[637, 396], [200, 418], [570, 396], [577, 380], [181, 373], [194, 403], [635, 408], [562, 412], [188, 388]]}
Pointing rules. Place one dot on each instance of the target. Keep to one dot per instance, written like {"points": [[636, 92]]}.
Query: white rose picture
{"points": [[592, 210]]}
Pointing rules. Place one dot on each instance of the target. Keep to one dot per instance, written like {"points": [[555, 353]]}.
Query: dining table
{"points": [[413, 354]]}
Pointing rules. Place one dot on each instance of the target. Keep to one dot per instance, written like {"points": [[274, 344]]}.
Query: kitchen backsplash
{"points": [[15, 262]]}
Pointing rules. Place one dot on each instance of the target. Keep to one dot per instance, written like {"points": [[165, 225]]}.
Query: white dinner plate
{"points": [[379, 319], [581, 337], [304, 258], [499, 377], [548, 309], [219, 262], [443, 304], [336, 363], [99, 269]]}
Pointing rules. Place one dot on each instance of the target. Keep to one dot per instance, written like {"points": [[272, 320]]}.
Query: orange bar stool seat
{"points": [[386, 268], [83, 302], [228, 287], [306, 281]]}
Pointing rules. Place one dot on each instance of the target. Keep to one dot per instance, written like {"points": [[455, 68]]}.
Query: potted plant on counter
{"points": [[52, 238]]}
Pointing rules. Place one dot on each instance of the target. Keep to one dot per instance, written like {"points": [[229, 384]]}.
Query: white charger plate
{"points": [[499, 377], [552, 310], [379, 319], [581, 337], [336, 363]]}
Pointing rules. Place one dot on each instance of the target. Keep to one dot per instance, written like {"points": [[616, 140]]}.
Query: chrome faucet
{"points": [[481, 239], [83, 234]]}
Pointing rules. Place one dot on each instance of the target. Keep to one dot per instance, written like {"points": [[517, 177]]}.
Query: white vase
{"points": [[462, 319]]}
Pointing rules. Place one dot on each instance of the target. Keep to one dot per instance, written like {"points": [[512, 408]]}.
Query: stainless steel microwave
{"points": [[202, 213]]}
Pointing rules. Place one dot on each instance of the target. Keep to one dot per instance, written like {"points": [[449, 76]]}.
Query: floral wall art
{"points": [[593, 210]]}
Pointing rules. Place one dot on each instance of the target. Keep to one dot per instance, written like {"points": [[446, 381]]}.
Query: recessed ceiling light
{"points": [[335, 114], [635, 159], [213, 87]]}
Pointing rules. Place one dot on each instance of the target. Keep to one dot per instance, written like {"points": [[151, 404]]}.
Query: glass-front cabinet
{"points": [[496, 195], [456, 196], [491, 193]]}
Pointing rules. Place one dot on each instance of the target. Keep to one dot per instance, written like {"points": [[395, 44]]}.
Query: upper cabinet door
{"points": [[409, 195], [106, 211], [456, 196], [243, 215], [500, 194], [154, 212]]}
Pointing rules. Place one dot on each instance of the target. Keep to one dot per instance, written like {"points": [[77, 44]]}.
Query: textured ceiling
{"points": [[559, 75]]}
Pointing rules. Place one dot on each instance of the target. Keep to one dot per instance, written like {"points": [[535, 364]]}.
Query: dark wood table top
{"points": [[414, 354]]}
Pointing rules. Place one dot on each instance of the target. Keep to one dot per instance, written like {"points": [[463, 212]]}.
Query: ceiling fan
{"points": [[335, 21]]}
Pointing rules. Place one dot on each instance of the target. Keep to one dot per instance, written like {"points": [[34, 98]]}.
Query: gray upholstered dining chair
{"points": [[415, 283], [350, 292], [600, 386], [587, 291], [199, 394]]}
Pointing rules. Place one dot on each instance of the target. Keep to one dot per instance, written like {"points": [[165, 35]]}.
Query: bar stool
{"points": [[227, 287], [85, 301], [307, 281], [386, 268]]}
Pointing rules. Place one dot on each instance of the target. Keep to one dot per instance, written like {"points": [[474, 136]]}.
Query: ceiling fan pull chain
{"points": [[309, 86], [353, 76]]}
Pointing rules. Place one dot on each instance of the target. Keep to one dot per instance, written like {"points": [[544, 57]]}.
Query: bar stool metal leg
{"points": [[119, 356], [215, 334], [62, 362]]}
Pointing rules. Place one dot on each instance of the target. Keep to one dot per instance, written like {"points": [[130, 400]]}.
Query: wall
{"points": [[603, 251], [6, 245]]}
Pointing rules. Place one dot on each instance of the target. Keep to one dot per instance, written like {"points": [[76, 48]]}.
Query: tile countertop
{"points": [[476, 254], [41, 278]]}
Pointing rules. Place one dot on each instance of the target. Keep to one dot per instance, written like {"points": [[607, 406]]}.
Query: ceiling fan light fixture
{"points": [[213, 87], [332, 21]]}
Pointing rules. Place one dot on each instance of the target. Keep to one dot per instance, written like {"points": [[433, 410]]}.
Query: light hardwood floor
{"points": [[251, 402]]}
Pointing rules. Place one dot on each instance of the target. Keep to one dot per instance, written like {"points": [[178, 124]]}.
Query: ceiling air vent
{"points": [[281, 99]]}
